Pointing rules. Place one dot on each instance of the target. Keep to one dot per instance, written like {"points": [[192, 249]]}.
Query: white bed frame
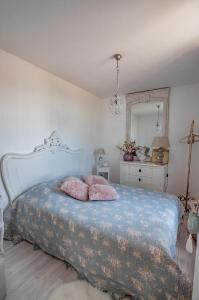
{"points": [[50, 160]]}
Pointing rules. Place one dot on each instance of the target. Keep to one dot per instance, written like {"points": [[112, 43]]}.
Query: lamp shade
{"points": [[100, 151], [161, 142]]}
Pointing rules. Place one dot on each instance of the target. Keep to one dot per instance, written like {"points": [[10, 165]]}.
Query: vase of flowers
{"points": [[128, 156], [129, 150]]}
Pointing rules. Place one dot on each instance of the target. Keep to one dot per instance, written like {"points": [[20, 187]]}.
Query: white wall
{"points": [[113, 134], [33, 103], [184, 106]]}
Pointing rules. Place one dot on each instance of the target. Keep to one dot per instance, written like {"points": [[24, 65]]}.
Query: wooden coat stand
{"points": [[190, 140]]}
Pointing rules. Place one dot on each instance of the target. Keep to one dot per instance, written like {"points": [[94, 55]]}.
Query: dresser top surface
{"points": [[139, 163]]}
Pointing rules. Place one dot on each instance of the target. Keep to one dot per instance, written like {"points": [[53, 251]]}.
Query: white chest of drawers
{"points": [[145, 175]]}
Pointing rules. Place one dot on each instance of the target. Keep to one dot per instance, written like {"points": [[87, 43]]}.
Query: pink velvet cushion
{"points": [[102, 192], [73, 178], [94, 179], [75, 188]]}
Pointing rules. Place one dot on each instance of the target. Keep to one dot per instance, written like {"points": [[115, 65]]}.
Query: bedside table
{"points": [[104, 172]]}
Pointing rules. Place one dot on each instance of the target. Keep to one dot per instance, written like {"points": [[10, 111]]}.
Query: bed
{"points": [[125, 246]]}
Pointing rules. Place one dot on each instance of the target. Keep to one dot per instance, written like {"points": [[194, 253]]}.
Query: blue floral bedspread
{"points": [[125, 246]]}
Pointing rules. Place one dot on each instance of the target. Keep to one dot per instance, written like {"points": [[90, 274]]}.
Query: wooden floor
{"points": [[32, 275], [185, 260]]}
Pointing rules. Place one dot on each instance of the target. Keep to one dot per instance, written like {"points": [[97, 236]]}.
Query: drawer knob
{"points": [[140, 179], [140, 170]]}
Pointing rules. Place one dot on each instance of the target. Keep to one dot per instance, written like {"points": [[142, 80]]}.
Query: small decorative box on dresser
{"points": [[145, 175]]}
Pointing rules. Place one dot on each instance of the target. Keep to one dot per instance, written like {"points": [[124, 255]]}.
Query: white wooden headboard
{"points": [[49, 160]]}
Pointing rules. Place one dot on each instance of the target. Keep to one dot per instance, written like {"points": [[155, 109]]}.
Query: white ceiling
{"points": [[75, 40]]}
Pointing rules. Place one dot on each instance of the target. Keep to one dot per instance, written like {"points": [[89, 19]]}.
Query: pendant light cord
{"points": [[118, 82], [158, 121], [115, 100]]}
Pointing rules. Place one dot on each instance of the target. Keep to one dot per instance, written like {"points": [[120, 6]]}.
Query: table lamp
{"points": [[100, 152], [160, 143]]}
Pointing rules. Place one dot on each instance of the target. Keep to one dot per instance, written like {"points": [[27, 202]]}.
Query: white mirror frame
{"points": [[144, 97]]}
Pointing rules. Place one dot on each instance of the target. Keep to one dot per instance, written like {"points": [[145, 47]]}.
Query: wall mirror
{"points": [[147, 115]]}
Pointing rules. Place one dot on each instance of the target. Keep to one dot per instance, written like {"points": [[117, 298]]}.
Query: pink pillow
{"points": [[73, 178], [75, 188], [93, 179], [102, 192]]}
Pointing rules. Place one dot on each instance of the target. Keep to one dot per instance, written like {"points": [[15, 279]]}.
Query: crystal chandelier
{"points": [[115, 102], [158, 125]]}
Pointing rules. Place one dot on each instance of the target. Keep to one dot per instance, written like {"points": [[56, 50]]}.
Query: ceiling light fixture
{"points": [[115, 102], [158, 125]]}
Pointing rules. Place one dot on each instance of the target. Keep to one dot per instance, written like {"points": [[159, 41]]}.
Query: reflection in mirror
{"points": [[147, 115], [146, 122]]}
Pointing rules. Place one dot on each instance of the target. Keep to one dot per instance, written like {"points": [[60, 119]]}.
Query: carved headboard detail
{"points": [[50, 160], [52, 141]]}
